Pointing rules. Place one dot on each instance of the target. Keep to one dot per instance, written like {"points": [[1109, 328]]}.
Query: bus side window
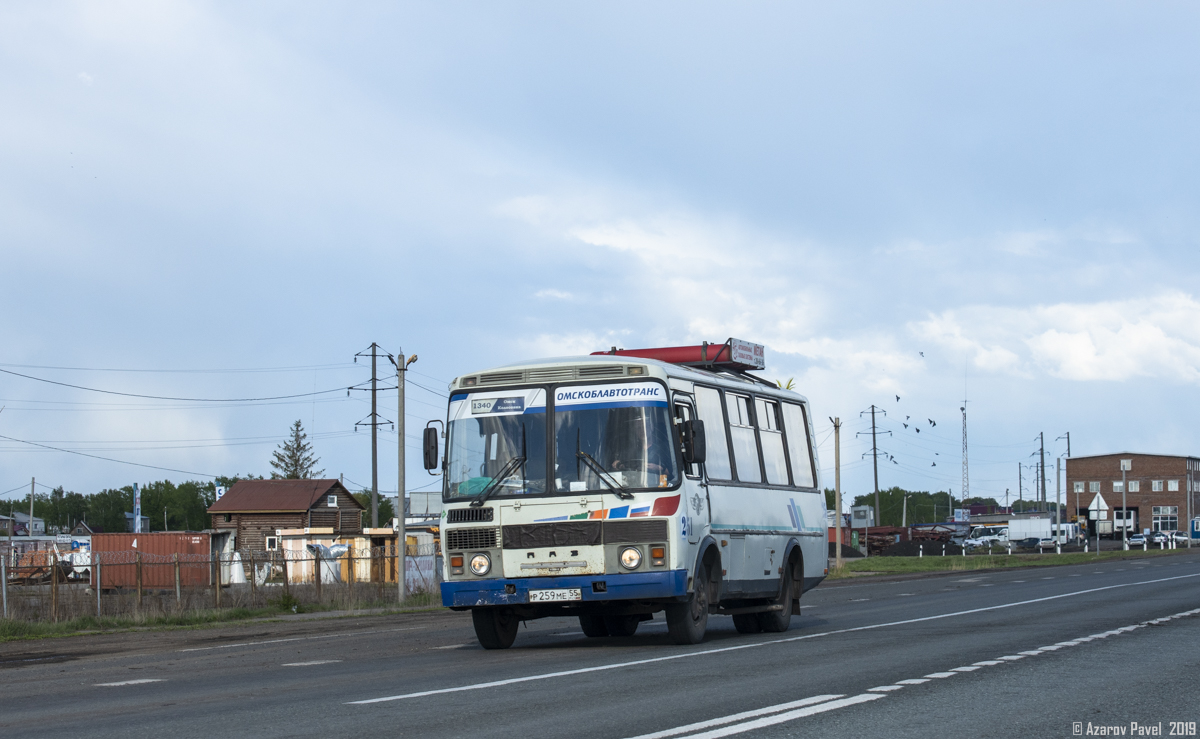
{"points": [[795, 427], [772, 441], [745, 441], [683, 414], [708, 408]]}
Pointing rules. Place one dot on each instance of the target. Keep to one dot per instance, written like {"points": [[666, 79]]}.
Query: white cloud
{"points": [[553, 294], [85, 78], [1112, 340]]}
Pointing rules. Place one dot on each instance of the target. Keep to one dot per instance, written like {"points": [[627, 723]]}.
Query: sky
{"points": [[929, 201]]}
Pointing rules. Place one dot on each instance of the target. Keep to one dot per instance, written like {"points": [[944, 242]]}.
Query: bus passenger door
{"points": [[694, 492]]}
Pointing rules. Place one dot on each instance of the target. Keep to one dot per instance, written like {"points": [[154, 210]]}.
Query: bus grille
{"points": [[634, 530], [469, 515], [563, 534], [460, 539]]}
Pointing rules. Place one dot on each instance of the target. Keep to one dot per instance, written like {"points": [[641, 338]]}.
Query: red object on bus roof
{"points": [[731, 354]]}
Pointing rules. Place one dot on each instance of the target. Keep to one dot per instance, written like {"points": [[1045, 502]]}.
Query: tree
{"points": [[293, 460], [387, 510]]}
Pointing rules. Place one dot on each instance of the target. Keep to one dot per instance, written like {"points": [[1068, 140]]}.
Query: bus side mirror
{"points": [[693, 442], [430, 448]]}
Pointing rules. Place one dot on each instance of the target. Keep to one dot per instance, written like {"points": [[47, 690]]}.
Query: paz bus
{"points": [[614, 486]]}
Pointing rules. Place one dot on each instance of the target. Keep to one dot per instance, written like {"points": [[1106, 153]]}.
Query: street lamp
{"points": [[1126, 465]]}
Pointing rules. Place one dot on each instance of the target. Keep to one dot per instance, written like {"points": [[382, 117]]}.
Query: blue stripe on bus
{"points": [[630, 586]]}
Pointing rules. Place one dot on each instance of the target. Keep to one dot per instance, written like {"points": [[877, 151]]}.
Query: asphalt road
{"points": [[1000, 654]]}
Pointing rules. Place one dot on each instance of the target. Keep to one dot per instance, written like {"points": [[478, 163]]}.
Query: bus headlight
{"points": [[631, 558], [480, 564]]}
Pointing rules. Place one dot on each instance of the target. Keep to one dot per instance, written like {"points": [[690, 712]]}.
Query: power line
{"points": [[107, 459], [163, 397], [298, 368]]}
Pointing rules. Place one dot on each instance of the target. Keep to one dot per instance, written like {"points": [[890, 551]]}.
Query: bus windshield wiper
{"points": [[604, 475], [500, 477]]}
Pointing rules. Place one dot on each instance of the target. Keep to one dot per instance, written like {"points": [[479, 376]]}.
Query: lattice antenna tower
{"points": [[966, 480]]}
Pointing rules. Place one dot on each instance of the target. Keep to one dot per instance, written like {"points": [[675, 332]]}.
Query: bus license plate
{"points": [[539, 596]]}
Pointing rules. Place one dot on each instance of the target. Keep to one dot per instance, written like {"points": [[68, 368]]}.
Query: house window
{"points": [[1093, 487], [1135, 486], [1156, 486], [1166, 517], [1172, 486], [1118, 486], [228, 518], [272, 543], [331, 501], [1079, 487]]}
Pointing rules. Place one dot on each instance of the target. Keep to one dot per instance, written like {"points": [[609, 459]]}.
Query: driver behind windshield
{"points": [[636, 451]]}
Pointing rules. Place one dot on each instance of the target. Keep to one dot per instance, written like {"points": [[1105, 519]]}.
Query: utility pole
{"points": [[32, 482], [374, 443], [875, 458], [837, 486], [1126, 465], [374, 424], [1042, 465], [401, 530], [966, 479], [1020, 485]]}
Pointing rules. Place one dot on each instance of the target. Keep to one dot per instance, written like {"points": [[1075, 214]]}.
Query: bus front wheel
{"points": [[496, 628], [687, 622]]}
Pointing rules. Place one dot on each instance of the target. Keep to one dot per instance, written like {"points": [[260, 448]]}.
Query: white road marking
{"points": [[902, 595], [912, 681], [1018, 581], [453, 646], [858, 600], [988, 663], [941, 674], [966, 668], [789, 716], [738, 717], [755, 645], [314, 662], [1013, 657], [132, 682], [293, 638], [885, 688]]}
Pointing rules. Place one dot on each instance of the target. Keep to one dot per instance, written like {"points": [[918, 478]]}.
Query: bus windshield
{"points": [[493, 432], [624, 429]]}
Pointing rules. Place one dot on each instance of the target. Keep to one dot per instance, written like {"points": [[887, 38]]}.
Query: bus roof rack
{"points": [[733, 355]]}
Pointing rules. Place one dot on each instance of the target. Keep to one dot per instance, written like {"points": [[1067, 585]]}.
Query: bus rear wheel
{"points": [[621, 625], [496, 628], [593, 625], [747, 623], [687, 622], [778, 621]]}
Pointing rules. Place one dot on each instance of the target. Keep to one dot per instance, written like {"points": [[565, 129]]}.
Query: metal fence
{"points": [[42, 586]]}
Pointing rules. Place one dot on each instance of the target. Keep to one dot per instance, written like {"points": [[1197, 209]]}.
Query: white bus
{"points": [[614, 486]]}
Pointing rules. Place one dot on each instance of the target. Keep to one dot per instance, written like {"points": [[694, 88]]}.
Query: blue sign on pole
{"points": [[137, 509]]}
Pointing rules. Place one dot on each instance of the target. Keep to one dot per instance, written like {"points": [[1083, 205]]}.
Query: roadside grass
{"points": [[901, 565], [16, 630]]}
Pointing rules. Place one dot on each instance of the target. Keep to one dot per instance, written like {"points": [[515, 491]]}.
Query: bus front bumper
{"points": [[631, 586]]}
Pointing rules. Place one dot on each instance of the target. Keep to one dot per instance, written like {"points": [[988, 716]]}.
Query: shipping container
{"points": [[119, 555]]}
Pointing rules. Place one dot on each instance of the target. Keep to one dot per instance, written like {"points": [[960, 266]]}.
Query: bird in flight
{"points": [[932, 422], [897, 398], [905, 425], [933, 465], [918, 431], [922, 354]]}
